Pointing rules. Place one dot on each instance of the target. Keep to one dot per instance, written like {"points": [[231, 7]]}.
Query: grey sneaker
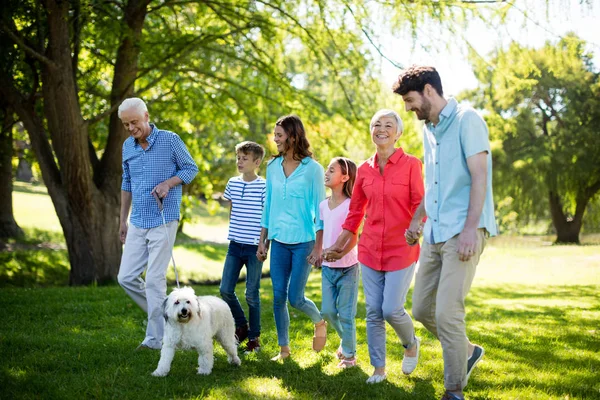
{"points": [[477, 355]]}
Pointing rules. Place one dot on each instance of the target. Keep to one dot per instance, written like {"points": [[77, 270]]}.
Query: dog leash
{"points": [[162, 214]]}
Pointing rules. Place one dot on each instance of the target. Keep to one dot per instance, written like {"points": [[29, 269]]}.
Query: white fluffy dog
{"points": [[192, 322]]}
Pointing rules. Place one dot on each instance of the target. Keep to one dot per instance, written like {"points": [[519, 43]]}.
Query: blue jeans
{"points": [[340, 294], [289, 274], [238, 255], [385, 295]]}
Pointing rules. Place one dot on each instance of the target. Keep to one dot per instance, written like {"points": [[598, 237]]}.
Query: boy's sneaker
{"points": [[253, 345], [477, 355], [241, 333]]}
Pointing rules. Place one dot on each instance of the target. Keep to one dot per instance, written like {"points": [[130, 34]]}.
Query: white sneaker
{"points": [[410, 363], [376, 378]]}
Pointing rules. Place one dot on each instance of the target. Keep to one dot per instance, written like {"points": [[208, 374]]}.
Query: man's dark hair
{"points": [[251, 148], [415, 78]]}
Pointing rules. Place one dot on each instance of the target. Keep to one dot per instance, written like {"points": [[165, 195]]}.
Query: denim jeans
{"points": [[289, 274], [385, 295], [340, 294], [238, 255]]}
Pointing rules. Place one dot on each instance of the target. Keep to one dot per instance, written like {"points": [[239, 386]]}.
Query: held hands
{"points": [[314, 258], [414, 232], [467, 243], [332, 253], [263, 249]]}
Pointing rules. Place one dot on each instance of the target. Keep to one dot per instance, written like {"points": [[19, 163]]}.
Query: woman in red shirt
{"points": [[387, 192]]}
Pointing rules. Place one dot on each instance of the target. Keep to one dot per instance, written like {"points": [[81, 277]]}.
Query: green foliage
{"points": [[543, 110]]}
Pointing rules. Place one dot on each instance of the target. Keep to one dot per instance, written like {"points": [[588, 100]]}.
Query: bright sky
{"points": [[539, 26]]}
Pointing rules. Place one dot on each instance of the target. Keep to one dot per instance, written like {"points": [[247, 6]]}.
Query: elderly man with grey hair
{"points": [[155, 161], [388, 190]]}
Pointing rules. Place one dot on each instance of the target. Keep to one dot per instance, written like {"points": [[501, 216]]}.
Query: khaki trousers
{"points": [[149, 250], [441, 285]]}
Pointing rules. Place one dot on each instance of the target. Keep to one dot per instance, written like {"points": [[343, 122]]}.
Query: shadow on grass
{"points": [[37, 259], [551, 333], [30, 188]]}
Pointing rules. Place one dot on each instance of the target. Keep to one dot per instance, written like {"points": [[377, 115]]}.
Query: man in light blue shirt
{"points": [[154, 162], [459, 207]]}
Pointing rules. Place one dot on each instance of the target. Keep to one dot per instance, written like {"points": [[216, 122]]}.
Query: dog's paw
{"points": [[160, 373], [204, 371], [235, 361]]}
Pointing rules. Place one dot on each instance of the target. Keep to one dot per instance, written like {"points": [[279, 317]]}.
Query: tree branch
{"points": [[21, 42]]}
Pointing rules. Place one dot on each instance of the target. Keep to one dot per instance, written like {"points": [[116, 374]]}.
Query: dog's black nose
{"points": [[184, 311]]}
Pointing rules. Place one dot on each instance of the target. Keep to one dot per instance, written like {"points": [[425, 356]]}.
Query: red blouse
{"points": [[387, 202]]}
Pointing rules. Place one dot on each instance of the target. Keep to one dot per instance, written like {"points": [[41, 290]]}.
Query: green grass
{"points": [[534, 306], [541, 341]]}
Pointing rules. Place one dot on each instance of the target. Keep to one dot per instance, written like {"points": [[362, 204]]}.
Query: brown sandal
{"points": [[319, 341]]}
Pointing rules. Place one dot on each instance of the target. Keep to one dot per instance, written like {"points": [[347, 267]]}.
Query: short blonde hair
{"points": [[133, 102], [388, 113]]}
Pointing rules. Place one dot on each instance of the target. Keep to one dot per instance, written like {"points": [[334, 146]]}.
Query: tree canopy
{"points": [[215, 71], [543, 109]]}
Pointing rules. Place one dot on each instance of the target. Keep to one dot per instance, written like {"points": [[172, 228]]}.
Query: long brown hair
{"points": [[293, 127], [348, 167]]}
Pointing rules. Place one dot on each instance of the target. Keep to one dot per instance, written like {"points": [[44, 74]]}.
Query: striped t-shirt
{"points": [[247, 201]]}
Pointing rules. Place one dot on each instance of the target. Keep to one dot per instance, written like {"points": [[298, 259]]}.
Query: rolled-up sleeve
{"points": [[126, 177], [318, 191], [264, 221], [186, 166], [417, 188], [358, 205]]}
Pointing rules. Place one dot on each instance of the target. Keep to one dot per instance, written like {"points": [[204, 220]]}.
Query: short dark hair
{"points": [[253, 148], [415, 78]]}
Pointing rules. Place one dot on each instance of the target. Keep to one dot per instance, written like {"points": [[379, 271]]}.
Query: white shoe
{"points": [[376, 378], [410, 363]]}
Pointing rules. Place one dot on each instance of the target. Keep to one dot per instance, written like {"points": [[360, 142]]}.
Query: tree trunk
{"points": [[85, 191], [8, 225], [567, 230]]}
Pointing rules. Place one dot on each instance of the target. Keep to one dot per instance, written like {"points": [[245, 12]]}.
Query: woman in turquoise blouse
{"points": [[290, 220]]}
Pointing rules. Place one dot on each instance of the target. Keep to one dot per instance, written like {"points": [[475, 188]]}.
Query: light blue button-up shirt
{"points": [[460, 134], [291, 212], [165, 157]]}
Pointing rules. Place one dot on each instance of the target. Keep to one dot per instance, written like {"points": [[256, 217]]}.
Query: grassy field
{"points": [[535, 308]]}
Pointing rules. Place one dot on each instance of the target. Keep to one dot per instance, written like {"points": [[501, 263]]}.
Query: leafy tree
{"points": [[215, 71], [544, 114]]}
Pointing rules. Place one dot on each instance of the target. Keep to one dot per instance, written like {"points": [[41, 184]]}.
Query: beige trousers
{"points": [[148, 250], [441, 285]]}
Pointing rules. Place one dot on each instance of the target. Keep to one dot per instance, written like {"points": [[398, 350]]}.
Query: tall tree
{"points": [[8, 225], [544, 108], [213, 71]]}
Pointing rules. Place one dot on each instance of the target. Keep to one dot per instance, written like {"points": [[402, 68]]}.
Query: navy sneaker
{"points": [[477, 355]]}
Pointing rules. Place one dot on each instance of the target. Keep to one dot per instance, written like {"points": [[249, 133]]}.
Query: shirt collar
{"points": [[446, 112], [304, 161], [393, 159], [151, 138]]}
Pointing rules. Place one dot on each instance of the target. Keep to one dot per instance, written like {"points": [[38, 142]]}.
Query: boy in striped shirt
{"points": [[246, 193]]}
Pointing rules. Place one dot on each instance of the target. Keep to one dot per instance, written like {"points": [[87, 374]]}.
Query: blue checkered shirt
{"points": [[165, 157]]}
